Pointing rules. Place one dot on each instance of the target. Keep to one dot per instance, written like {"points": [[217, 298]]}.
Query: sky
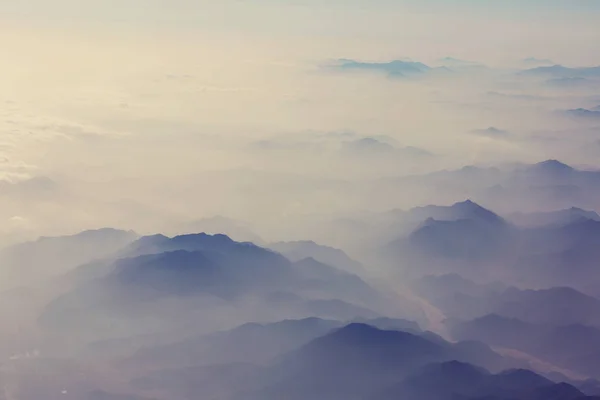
{"points": [[138, 113]]}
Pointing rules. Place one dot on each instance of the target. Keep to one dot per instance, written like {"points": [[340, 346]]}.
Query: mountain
{"points": [[466, 210], [463, 238], [51, 256], [463, 231], [573, 347], [391, 324], [196, 262], [461, 65], [571, 82], [349, 363], [194, 242], [436, 287], [359, 361], [537, 61], [538, 257], [550, 167], [457, 380], [296, 251], [545, 186], [171, 280], [344, 285], [564, 72], [396, 68], [559, 217], [381, 150], [368, 145], [236, 230], [555, 306], [560, 256], [250, 343], [583, 113], [460, 298]]}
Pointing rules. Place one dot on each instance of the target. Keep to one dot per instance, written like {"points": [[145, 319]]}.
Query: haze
{"points": [[256, 200]]}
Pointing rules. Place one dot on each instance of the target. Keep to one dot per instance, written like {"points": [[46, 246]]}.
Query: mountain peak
{"points": [[470, 210], [552, 166], [468, 203]]}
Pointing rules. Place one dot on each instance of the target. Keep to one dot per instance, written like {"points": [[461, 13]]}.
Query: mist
{"points": [[299, 199]]}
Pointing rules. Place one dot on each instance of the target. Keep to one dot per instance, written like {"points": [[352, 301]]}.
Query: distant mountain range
{"points": [[358, 361], [51, 256], [202, 271], [573, 347], [564, 72], [463, 299], [296, 251], [560, 217], [395, 69], [545, 186], [471, 240]]}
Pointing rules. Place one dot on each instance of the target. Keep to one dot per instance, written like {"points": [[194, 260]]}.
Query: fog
{"points": [[299, 199]]}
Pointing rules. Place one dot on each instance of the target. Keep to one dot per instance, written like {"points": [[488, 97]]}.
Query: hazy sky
{"points": [[117, 100]]}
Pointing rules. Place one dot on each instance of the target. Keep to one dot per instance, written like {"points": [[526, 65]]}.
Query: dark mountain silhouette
{"points": [[456, 380]]}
